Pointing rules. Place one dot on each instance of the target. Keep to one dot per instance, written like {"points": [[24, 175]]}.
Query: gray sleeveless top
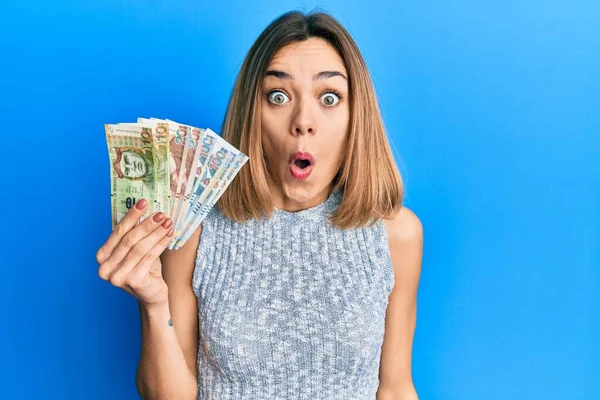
{"points": [[291, 307]]}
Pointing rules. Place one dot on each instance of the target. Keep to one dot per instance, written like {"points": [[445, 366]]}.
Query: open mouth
{"points": [[302, 159], [300, 163]]}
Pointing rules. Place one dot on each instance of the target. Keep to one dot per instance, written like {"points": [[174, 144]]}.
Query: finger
{"points": [[130, 241], [137, 276], [137, 234], [140, 251], [128, 222]]}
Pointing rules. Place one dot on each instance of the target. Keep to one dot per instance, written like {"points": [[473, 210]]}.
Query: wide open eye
{"points": [[330, 99], [278, 97]]}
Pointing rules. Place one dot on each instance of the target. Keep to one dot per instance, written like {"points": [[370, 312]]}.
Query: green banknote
{"points": [[178, 136], [162, 199], [133, 168], [164, 162]]}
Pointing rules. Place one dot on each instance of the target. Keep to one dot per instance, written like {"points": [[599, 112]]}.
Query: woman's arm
{"points": [[167, 365], [405, 234]]}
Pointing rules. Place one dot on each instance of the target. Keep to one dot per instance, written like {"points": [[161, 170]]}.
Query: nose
{"points": [[304, 120]]}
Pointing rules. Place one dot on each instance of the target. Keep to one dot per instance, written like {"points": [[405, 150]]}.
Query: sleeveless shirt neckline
{"points": [[325, 207]]}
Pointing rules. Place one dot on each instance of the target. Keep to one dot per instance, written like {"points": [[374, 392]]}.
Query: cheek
{"points": [[273, 135], [336, 154], [335, 141], [270, 144]]}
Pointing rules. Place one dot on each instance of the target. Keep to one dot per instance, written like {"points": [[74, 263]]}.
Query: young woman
{"points": [[301, 282]]}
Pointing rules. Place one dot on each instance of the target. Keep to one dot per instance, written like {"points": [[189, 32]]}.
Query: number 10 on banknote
{"points": [[179, 169]]}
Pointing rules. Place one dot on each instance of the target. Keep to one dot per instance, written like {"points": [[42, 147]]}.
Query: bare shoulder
{"points": [[405, 240], [178, 270], [405, 227]]}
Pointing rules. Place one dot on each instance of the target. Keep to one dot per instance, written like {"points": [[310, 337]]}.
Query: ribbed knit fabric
{"points": [[291, 307]]}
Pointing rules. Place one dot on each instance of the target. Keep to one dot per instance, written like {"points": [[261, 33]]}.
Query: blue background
{"points": [[493, 111]]}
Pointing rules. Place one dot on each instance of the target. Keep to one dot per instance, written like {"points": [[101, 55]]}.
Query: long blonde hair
{"points": [[368, 177]]}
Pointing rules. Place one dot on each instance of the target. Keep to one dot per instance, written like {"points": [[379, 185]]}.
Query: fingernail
{"points": [[158, 217], [167, 223], [170, 232], [140, 205]]}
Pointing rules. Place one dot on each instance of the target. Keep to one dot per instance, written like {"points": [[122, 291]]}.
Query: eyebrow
{"points": [[321, 75]]}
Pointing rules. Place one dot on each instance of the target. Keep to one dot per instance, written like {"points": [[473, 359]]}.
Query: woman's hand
{"points": [[129, 259]]}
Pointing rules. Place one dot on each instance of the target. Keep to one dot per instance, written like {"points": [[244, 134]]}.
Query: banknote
{"points": [[233, 167], [215, 175], [215, 167], [178, 137], [132, 167], [209, 142], [189, 163], [162, 201], [239, 159], [215, 170], [180, 169], [160, 136]]}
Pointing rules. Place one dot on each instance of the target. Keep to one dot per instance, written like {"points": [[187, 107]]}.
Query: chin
{"points": [[299, 193]]}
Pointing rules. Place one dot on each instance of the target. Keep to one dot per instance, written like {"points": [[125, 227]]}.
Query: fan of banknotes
{"points": [[179, 169]]}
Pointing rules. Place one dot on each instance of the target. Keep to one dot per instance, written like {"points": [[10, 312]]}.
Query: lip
{"points": [[301, 173], [302, 155]]}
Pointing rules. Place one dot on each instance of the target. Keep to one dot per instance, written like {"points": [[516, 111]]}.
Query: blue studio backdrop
{"points": [[493, 111]]}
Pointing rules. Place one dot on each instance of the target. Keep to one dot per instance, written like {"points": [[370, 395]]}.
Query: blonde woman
{"points": [[301, 282]]}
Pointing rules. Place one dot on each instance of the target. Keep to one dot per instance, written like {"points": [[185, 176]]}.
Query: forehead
{"points": [[310, 56]]}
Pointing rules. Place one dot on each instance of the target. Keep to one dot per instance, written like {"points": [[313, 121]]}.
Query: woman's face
{"points": [[305, 116]]}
